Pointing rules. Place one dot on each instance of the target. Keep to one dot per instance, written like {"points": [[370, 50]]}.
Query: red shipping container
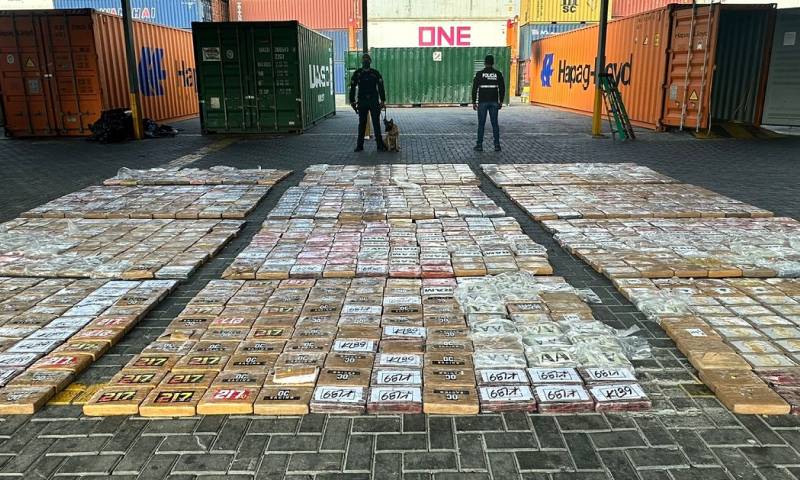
{"points": [[314, 14], [626, 8], [62, 68]]}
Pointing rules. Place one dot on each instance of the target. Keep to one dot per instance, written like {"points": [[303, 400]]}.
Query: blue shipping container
{"points": [[535, 31], [172, 13], [340, 43], [340, 81]]}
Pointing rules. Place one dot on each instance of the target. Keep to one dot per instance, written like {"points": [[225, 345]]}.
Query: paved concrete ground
{"points": [[688, 434]]}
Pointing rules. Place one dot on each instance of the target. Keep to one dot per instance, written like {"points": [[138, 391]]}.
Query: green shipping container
{"points": [[435, 75], [262, 77]]}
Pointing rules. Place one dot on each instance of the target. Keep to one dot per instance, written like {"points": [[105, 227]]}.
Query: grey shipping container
{"points": [[262, 77], [782, 101], [534, 31]]}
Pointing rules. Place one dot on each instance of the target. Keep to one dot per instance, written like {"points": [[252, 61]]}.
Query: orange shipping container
{"points": [[314, 14], [678, 66], [59, 69], [563, 66]]}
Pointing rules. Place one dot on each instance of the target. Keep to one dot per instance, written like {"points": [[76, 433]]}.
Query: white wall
{"points": [[437, 33]]}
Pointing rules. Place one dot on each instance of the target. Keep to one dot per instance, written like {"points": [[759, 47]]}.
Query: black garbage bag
{"points": [[114, 125], [117, 126], [153, 130]]}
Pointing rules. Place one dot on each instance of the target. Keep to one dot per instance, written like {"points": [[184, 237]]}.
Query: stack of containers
{"points": [[429, 52], [541, 18], [332, 18], [169, 13]]}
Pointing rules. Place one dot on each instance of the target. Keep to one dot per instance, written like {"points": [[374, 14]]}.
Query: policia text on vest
{"points": [[488, 93]]}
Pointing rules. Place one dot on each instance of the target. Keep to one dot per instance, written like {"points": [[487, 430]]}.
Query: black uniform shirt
{"points": [[370, 86], [488, 86]]}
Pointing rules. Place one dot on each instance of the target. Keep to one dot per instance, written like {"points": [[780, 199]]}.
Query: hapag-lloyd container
{"points": [[562, 66], [534, 31], [60, 69], [648, 54], [262, 77], [435, 76]]}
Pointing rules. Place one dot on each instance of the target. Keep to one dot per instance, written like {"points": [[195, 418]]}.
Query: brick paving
{"points": [[687, 435]]}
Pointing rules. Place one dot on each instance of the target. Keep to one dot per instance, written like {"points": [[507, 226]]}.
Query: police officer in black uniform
{"points": [[371, 100], [488, 93]]}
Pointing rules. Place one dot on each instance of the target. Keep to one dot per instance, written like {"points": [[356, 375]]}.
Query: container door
{"points": [[782, 103], [25, 97], [263, 78], [72, 78], [691, 67], [286, 72]]}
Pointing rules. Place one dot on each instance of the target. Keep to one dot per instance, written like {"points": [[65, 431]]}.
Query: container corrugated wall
{"points": [[340, 48], [262, 77], [782, 102], [316, 14], [626, 8], [64, 67], [316, 72], [440, 9], [562, 66], [566, 11], [434, 76], [535, 31], [166, 68], [437, 33], [171, 13]]}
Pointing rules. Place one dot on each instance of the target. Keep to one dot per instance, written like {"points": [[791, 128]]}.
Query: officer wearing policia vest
{"points": [[488, 93], [371, 100]]}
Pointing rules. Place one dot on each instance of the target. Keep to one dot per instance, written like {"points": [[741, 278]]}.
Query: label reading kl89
{"points": [[614, 393]]}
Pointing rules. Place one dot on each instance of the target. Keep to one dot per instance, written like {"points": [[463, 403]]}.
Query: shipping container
{"points": [[726, 48], [440, 9], [626, 8], [437, 33], [26, 5], [315, 14], [434, 76], [59, 69], [512, 41], [782, 101], [171, 13], [563, 65], [535, 31], [561, 11], [262, 77], [648, 54]]}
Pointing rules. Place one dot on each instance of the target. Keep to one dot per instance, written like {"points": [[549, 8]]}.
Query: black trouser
{"points": [[374, 110]]}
